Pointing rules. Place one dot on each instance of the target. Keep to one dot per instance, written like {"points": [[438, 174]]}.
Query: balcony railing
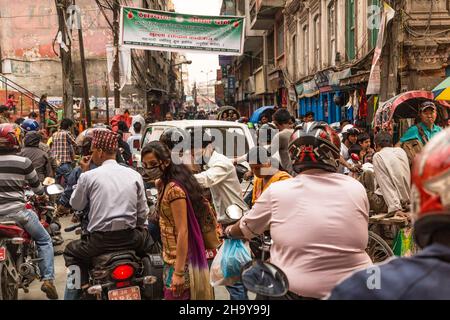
{"points": [[262, 13]]}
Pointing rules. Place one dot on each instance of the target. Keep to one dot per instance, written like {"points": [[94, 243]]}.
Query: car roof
{"points": [[197, 123]]}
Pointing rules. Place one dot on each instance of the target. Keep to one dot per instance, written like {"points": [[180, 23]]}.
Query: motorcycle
{"points": [[123, 275], [45, 208], [259, 276], [19, 254]]}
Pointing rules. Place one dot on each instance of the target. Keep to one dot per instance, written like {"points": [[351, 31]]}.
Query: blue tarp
{"points": [[256, 116]]}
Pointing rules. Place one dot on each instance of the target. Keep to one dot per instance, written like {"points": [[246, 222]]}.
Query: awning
{"points": [[307, 89], [356, 79]]}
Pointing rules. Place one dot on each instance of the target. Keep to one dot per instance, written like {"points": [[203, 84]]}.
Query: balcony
{"points": [[262, 13]]}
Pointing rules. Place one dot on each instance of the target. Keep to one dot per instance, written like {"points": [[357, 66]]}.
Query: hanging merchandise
{"points": [[362, 104], [355, 104]]}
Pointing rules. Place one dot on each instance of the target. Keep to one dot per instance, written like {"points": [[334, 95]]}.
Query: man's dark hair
{"points": [[383, 139], [137, 126], [3, 108], [19, 121], [344, 121], [282, 116], [66, 124], [122, 125], [363, 137], [309, 113], [355, 148], [32, 115]]}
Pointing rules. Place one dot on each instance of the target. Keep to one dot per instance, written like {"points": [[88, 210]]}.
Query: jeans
{"points": [[237, 292], [30, 222], [63, 170]]}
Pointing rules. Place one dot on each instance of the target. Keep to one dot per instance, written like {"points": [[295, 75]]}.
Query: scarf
{"points": [[198, 265]]}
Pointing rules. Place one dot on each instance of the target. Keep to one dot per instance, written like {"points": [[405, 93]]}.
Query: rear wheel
{"points": [[377, 249], [9, 289], [153, 266]]}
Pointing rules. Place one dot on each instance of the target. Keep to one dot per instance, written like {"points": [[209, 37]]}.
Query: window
{"points": [[305, 47], [332, 33], [271, 49], [280, 38], [294, 56], [350, 29], [374, 18], [317, 42]]}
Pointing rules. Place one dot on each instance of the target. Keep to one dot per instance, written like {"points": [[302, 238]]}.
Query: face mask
{"points": [[154, 173]]}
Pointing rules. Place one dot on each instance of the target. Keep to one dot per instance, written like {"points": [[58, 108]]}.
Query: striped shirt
{"points": [[63, 148], [16, 173]]}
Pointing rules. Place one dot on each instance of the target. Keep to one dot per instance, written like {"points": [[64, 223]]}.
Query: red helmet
{"points": [[314, 145], [9, 136], [431, 188]]}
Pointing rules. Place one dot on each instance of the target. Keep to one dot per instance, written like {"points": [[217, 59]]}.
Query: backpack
{"points": [[414, 147]]}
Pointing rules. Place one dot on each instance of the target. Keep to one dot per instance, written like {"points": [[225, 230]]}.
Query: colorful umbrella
{"points": [[442, 91]]}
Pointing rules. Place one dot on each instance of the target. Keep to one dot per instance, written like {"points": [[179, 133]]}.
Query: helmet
{"points": [[173, 136], [30, 125], [314, 145], [430, 194], [10, 136], [349, 129], [266, 133]]}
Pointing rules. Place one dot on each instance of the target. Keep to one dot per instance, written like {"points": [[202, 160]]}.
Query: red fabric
{"points": [[362, 104]]}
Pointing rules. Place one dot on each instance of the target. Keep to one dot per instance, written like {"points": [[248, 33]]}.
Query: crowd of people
{"points": [[308, 192]]}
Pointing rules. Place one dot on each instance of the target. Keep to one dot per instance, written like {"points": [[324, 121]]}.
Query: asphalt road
{"points": [[35, 292]]}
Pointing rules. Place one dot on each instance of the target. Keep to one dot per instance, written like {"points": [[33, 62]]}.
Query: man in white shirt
{"points": [[117, 204]]}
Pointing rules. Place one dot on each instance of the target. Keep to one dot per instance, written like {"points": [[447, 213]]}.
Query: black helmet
{"points": [[314, 145], [266, 133], [172, 137]]}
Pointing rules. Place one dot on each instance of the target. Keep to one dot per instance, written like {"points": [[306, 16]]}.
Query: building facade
{"points": [[316, 55]]}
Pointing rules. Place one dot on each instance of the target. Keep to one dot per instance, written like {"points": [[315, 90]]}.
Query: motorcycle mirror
{"points": [[54, 189], [265, 279], [355, 157], [234, 212], [49, 181]]}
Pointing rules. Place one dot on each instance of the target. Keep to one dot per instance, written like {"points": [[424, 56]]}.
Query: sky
{"points": [[200, 61]]}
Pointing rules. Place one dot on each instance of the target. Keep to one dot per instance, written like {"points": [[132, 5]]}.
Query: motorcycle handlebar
{"points": [[72, 227]]}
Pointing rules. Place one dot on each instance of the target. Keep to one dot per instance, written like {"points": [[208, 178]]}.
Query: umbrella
{"points": [[256, 116], [442, 91]]}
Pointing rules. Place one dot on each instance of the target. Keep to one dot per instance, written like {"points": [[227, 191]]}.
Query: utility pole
{"points": [[66, 56], [84, 74], [116, 70], [107, 96]]}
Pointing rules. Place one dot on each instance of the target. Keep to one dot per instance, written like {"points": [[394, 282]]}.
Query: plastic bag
{"points": [[226, 266]]}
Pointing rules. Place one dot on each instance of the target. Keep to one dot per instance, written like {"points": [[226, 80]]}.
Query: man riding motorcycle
{"points": [[117, 204], [309, 216], [17, 172]]}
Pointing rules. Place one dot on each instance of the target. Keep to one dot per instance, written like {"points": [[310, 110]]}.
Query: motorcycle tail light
{"points": [[123, 272]]}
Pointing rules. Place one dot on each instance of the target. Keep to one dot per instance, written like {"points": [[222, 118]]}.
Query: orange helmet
{"points": [[431, 188]]}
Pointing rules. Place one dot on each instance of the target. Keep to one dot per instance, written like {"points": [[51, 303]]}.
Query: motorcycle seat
{"points": [[109, 258]]}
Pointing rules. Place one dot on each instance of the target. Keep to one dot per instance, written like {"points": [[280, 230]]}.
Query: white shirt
{"points": [[393, 175], [319, 226], [115, 195], [221, 178]]}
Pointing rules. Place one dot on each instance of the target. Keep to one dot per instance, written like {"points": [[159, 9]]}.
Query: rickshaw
{"points": [[396, 116], [399, 113], [257, 115], [227, 110]]}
